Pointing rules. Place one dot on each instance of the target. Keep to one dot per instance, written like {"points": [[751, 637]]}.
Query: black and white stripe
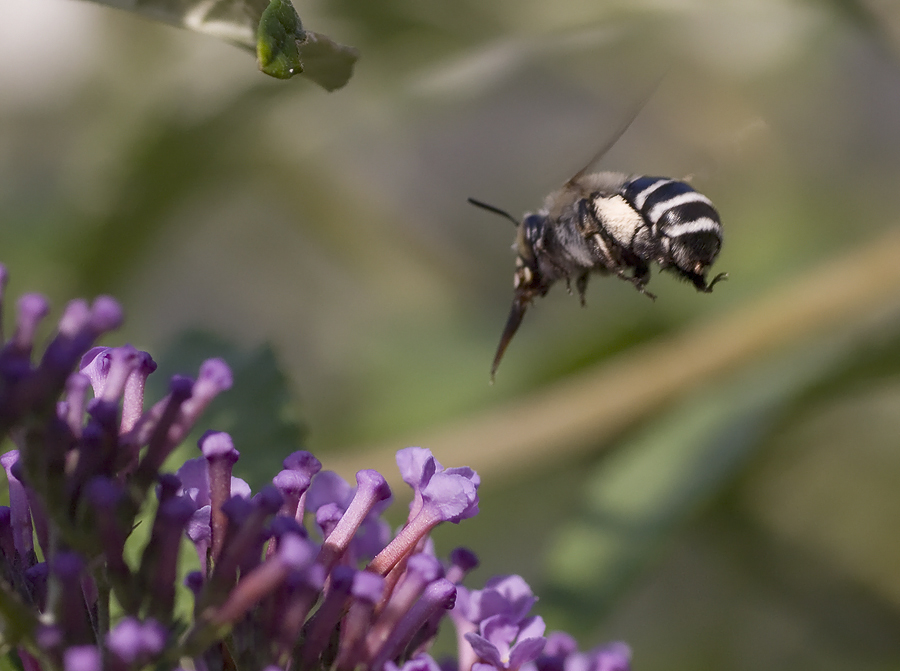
{"points": [[672, 208]]}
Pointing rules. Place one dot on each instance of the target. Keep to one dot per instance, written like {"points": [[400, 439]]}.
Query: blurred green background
{"points": [[713, 478]]}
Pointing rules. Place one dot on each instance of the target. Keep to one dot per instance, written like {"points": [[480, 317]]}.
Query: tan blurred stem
{"points": [[587, 408]]}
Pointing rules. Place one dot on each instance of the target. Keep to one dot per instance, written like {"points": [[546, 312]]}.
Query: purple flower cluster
{"points": [[344, 594]]}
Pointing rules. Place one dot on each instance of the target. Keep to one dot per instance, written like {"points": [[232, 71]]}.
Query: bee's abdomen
{"points": [[674, 210]]}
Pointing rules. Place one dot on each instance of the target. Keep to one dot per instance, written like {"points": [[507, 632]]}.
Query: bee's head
{"points": [[527, 280]]}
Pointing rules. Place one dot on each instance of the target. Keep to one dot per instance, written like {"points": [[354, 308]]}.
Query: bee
{"points": [[610, 223]]}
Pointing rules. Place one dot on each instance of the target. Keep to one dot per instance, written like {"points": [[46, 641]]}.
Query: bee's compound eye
{"points": [[533, 227]]}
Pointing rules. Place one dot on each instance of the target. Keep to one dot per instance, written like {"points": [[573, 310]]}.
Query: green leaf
{"points": [[277, 40]]}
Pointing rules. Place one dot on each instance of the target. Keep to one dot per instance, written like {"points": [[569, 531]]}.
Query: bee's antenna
{"points": [[495, 210], [615, 137]]}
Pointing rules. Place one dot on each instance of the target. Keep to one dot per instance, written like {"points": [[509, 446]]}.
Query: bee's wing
{"points": [[611, 142]]}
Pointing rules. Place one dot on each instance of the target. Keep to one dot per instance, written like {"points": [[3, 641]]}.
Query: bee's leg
{"points": [[568, 285], [581, 286], [699, 281], [718, 278], [640, 287], [639, 279]]}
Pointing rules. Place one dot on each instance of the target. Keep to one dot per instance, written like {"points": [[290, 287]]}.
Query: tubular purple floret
{"points": [[72, 339], [75, 317], [180, 388], [284, 524], [133, 396], [18, 504], [232, 544], [321, 626], [106, 315], [421, 570], [269, 500], [462, 561], [302, 590], [218, 449], [244, 536], [65, 570], [417, 465], [97, 449], [36, 577], [48, 636], [134, 641], [104, 414], [444, 498], [292, 484], [164, 433], [302, 462], [106, 496], [371, 489], [420, 662], [448, 496], [82, 658], [615, 656], [88, 453], [238, 510], [39, 518], [367, 591], [160, 560], [451, 496], [77, 331], [32, 308], [7, 544], [267, 503], [194, 581], [118, 363], [198, 532], [169, 486], [95, 363], [214, 378], [218, 445], [426, 566], [76, 401], [506, 595], [294, 554], [327, 518], [440, 595], [281, 525]]}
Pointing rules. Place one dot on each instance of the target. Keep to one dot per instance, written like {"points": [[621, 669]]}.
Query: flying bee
{"points": [[610, 223]]}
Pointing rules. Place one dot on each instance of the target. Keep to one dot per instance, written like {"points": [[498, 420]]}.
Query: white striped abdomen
{"points": [[681, 219]]}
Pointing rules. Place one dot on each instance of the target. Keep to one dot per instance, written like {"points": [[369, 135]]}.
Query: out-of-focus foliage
{"points": [[709, 477]]}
